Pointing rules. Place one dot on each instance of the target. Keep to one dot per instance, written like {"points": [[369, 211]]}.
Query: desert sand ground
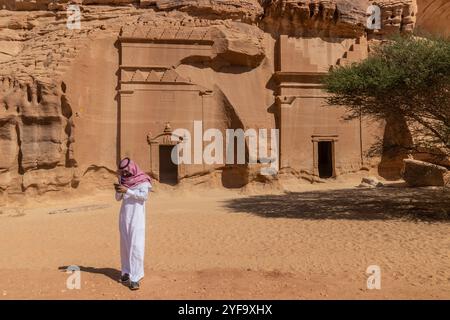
{"points": [[316, 242]]}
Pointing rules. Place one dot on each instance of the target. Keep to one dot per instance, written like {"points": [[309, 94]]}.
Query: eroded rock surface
{"points": [[433, 16], [60, 88], [306, 17], [246, 10], [421, 174]]}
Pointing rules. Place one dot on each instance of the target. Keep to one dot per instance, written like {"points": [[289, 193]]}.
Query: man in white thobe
{"points": [[133, 191]]}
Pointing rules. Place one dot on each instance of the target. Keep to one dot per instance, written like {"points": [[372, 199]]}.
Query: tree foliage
{"points": [[407, 77]]}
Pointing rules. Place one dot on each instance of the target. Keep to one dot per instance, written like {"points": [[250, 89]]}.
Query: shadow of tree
{"points": [[417, 204], [111, 273]]}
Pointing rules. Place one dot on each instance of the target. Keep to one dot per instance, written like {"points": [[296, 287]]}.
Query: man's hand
{"points": [[121, 189]]}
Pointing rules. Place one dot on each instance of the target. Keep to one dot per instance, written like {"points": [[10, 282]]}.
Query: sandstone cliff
{"points": [[58, 87], [433, 16]]}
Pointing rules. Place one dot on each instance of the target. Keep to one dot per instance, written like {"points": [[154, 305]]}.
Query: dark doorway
{"points": [[168, 170], [325, 153]]}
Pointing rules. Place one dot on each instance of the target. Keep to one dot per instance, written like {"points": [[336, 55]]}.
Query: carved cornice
{"points": [[173, 35]]}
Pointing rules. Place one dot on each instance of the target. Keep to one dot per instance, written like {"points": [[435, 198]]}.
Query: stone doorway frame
{"points": [[315, 139], [163, 139]]}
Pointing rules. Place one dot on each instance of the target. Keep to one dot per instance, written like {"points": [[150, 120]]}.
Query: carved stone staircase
{"points": [[357, 52]]}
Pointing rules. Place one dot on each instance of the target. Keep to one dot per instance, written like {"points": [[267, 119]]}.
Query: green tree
{"points": [[407, 77]]}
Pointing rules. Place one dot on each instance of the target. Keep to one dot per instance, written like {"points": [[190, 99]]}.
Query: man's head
{"points": [[130, 173], [124, 168]]}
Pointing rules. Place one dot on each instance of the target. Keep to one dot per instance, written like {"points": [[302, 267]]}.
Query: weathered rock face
{"points": [[336, 17], [434, 16], [248, 10], [34, 5], [424, 16], [245, 10], [421, 174], [73, 101], [398, 16], [306, 17], [36, 132], [56, 81]]}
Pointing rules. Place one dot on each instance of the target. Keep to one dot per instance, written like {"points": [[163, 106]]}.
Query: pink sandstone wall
{"points": [[63, 124]]}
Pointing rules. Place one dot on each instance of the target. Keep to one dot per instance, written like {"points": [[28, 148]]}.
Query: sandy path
{"points": [[211, 245]]}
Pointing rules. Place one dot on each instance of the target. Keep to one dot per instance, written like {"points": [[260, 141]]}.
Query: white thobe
{"points": [[132, 230]]}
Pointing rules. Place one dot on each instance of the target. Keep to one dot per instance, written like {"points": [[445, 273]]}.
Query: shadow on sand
{"points": [[416, 204], [111, 273]]}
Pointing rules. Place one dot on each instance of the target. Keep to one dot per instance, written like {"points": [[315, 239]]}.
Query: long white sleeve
{"points": [[140, 193]]}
